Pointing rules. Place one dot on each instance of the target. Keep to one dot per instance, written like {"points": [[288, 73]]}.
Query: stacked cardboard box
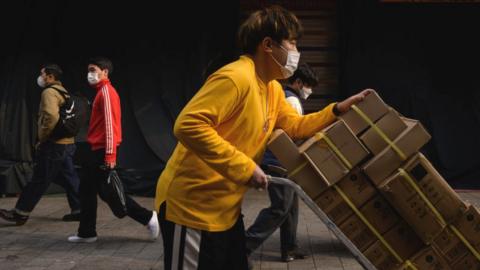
{"points": [[366, 173]]}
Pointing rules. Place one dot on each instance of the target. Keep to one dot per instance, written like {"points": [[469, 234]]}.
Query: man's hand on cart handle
{"points": [[259, 179]]}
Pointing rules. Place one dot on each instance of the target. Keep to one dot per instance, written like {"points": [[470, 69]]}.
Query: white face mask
{"points": [[305, 92], [92, 78], [292, 62], [41, 81]]}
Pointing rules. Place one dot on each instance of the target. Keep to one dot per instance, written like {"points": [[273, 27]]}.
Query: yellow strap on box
{"points": [[465, 241], [412, 183], [369, 225], [408, 265], [315, 166], [380, 132], [438, 215], [333, 147], [321, 135], [298, 169]]}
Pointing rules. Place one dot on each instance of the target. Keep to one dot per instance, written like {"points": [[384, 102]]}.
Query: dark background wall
{"points": [[422, 58], [160, 55]]}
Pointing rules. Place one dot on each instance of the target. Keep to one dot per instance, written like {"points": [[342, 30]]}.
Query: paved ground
{"points": [[123, 244]]}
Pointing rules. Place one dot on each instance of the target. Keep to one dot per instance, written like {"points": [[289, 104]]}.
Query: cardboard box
{"points": [[468, 262], [429, 259], [390, 124], [286, 151], [450, 246], [360, 235], [403, 240], [435, 188], [469, 226], [372, 106], [412, 207], [309, 180], [380, 214], [387, 161], [324, 159], [357, 188], [380, 257], [404, 197], [326, 164], [334, 206]]}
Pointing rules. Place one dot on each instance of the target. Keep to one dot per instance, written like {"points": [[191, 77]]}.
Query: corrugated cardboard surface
{"points": [[357, 187], [310, 182], [373, 106], [469, 226], [468, 262], [285, 150], [380, 214], [358, 232], [323, 157], [326, 164], [334, 206], [450, 246], [403, 240], [390, 124], [409, 142], [287, 153], [435, 188], [379, 256], [429, 259], [411, 207]]}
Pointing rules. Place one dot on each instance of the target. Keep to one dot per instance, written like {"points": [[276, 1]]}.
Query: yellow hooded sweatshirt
{"points": [[221, 136]]}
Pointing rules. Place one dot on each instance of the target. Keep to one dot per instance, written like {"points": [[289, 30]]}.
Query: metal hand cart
{"points": [[324, 218]]}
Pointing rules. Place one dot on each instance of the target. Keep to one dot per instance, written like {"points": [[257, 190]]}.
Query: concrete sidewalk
{"points": [[123, 243]]}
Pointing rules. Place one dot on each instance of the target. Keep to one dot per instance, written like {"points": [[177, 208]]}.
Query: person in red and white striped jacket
{"points": [[105, 129], [104, 136]]}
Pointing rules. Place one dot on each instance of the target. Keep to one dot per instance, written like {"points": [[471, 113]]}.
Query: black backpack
{"points": [[73, 115]]}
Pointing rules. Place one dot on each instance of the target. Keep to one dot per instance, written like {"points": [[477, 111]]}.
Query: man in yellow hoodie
{"points": [[222, 134]]}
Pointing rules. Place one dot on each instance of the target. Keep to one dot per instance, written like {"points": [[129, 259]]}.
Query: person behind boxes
{"points": [[222, 133], [53, 155], [104, 137], [283, 210]]}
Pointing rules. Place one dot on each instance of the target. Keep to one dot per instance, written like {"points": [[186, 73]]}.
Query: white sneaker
{"points": [[153, 227], [78, 239]]}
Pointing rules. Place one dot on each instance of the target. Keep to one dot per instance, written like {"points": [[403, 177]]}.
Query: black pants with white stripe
{"points": [[186, 248]]}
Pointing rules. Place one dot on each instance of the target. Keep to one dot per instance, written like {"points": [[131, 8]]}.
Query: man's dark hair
{"points": [[306, 74], [275, 22], [102, 63], [54, 70]]}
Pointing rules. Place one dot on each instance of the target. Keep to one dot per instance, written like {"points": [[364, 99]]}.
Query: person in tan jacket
{"points": [[53, 156]]}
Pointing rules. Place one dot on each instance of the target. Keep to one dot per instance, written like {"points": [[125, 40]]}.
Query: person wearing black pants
{"points": [[94, 173], [104, 136], [53, 154], [188, 248]]}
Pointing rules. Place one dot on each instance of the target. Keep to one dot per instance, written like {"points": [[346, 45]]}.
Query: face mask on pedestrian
{"points": [[41, 81], [292, 62], [305, 92], [92, 78]]}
